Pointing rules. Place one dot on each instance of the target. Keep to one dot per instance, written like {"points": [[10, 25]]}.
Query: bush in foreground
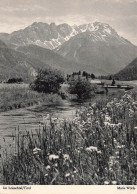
{"points": [[47, 81], [82, 88]]}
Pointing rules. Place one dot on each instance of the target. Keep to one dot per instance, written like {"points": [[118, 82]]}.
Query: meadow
{"points": [[13, 96], [98, 147]]}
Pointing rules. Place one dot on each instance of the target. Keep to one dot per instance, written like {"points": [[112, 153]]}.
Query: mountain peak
{"points": [[52, 36]]}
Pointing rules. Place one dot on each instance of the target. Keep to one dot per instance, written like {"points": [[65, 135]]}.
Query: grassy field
{"points": [[131, 83], [14, 96], [97, 148]]}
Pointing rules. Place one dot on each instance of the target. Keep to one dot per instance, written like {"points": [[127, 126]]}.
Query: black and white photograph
{"points": [[68, 94]]}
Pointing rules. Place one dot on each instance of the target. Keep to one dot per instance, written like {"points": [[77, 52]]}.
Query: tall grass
{"points": [[14, 96], [98, 147]]}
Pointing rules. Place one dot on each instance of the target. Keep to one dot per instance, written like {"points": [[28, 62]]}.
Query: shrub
{"points": [[82, 88], [14, 80], [47, 81]]}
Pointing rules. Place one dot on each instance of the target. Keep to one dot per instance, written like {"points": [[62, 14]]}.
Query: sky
{"points": [[119, 14]]}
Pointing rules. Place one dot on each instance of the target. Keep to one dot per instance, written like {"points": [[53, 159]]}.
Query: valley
{"points": [[65, 115]]}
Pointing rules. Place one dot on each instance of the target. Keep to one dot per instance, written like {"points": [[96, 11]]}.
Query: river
{"points": [[33, 117]]}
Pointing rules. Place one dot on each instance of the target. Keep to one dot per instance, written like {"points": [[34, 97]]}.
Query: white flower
{"points": [[114, 182], [53, 157], [46, 174], [48, 167], [94, 105], [91, 148], [117, 153], [107, 118], [88, 114], [66, 157], [67, 174], [36, 150], [106, 182], [112, 157], [107, 123], [54, 119], [99, 152], [122, 146]]}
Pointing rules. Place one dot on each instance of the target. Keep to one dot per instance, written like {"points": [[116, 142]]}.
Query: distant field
{"points": [[13, 96], [13, 85], [132, 83]]}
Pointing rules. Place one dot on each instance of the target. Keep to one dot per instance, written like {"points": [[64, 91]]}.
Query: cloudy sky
{"points": [[119, 14]]}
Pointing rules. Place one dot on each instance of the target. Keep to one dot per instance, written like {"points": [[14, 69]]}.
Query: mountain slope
{"points": [[93, 47], [100, 52], [51, 35], [16, 64], [46, 35], [129, 72], [49, 57]]}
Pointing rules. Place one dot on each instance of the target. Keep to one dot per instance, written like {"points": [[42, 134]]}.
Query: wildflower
{"points": [[122, 146], [56, 165], [46, 174], [94, 105], [107, 118], [54, 119], [119, 124], [67, 174], [48, 167], [117, 153], [110, 169], [36, 150], [111, 163], [53, 157], [99, 152], [106, 182], [107, 123], [66, 157], [91, 148], [112, 157], [114, 182]]}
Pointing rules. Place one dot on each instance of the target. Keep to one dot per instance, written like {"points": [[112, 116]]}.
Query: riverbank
{"points": [[96, 147], [14, 96]]}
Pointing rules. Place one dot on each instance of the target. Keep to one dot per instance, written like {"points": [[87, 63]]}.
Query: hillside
{"points": [[49, 57], [99, 53], [129, 72], [94, 47], [16, 64]]}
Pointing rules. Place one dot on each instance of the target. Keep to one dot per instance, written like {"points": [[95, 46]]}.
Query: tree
{"points": [[110, 77], [79, 73], [82, 88], [113, 82], [92, 76], [47, 81]]}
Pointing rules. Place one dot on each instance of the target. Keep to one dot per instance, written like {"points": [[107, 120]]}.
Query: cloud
{"points": [[120, 14]]}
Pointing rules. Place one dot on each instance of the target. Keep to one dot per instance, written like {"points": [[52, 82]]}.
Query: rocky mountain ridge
{"points": [[51, 35]]}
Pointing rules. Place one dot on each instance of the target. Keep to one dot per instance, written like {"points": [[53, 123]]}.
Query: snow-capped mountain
{"points": [[51, 35], [98, 52], [94, 47]]}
